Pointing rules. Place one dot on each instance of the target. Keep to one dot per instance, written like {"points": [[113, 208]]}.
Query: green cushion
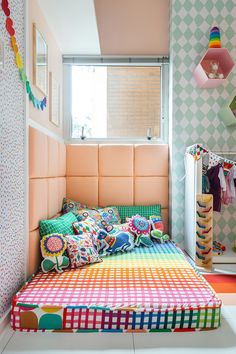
{"points": [[61, 225], [143, 210]]}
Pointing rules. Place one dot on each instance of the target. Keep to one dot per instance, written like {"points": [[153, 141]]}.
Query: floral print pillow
{"points": [[110, 215], [94, 214], [52, 248], [81, 250], [87, 226], [102, 216], [70, 205]]}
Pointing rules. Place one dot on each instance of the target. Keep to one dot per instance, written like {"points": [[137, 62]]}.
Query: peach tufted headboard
{"points": [[118, 175], [47, 186], [94, 175]]}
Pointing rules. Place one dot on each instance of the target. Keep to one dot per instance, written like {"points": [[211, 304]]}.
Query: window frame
{"points": [[67, 94]]}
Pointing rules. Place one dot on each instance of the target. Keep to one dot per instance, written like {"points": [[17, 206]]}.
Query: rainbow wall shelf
{"points": [[225, 62]]}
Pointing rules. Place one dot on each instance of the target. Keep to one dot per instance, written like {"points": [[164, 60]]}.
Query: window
{"points": [[116, 102]]}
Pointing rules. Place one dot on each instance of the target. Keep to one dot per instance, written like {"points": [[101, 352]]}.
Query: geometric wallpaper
{"points": [[12, 177], [196, 110]]}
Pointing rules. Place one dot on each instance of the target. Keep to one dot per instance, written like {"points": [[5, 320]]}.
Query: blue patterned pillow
{"points": [[121, 241]]}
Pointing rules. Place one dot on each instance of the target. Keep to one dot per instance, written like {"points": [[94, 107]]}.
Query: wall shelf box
{"points": [[228, 112], [225, 62]]}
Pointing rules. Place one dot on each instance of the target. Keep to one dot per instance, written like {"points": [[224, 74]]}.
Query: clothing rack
{"points": [[224, 153], [196, 150], [193, 187]]}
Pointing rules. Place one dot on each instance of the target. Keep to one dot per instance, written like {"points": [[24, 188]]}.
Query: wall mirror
{"points": [[40, 62]]}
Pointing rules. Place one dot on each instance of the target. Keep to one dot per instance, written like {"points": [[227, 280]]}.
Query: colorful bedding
{"points": [[147, 289]]}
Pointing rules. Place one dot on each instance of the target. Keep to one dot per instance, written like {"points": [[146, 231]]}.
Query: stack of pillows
{"points": [[83, 236]]}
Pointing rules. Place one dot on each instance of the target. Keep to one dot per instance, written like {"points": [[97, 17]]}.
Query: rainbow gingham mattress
{"points": [[148, 289]]}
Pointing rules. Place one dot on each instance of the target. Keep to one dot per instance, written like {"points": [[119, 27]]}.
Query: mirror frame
{"points": [[35, 81]]}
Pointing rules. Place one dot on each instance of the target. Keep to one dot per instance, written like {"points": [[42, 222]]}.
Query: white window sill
{"points": [[115, 141]]}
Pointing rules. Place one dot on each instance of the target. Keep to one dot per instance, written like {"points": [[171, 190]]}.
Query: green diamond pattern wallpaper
{"points": [[195, 110]]}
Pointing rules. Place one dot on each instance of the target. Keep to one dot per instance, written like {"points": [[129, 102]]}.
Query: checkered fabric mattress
{"points": [[148, 289]]}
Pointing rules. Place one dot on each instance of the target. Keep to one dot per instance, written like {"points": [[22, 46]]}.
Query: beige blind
{"points": [[134, 101]]}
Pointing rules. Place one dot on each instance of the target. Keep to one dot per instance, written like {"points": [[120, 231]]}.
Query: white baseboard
{"points": [[6, 331]]}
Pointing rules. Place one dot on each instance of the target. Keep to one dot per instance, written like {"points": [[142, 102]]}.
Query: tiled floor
{"points": [[222, 341]]}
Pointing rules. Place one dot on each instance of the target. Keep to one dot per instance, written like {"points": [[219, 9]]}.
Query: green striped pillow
{"points": [[146, 211], [61, 225]]}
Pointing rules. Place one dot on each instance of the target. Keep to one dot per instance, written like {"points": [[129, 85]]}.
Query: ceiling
{"points": [[73, 24], [109, 27]]}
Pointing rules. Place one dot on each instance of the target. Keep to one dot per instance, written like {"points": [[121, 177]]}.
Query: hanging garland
{"points": [[39, 104]]}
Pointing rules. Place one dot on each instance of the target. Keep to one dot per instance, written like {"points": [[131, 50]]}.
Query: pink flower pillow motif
{"points": [[141, 228], [53, 247]]}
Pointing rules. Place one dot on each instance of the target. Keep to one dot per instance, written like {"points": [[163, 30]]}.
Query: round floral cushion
{"points": [[141, 228], [139, 225]]}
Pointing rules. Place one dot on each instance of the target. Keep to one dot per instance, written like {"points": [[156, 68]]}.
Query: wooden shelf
{"points": [[227, 112], [201, 72]]}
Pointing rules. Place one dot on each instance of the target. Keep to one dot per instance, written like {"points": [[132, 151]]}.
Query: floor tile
{"points": [[219, 341], [73, 343], [5, 337], [224, 268], [229, 311], [228, 299]]}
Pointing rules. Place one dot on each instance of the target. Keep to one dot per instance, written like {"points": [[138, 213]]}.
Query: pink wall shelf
{"points": [[225, 64]]}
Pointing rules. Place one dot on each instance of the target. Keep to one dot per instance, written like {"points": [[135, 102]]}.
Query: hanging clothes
{"points": [[229, 194], [205, 179], [217, 182], [226, 195]]}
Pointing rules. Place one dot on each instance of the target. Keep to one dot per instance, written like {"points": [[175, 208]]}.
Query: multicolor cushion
{"points": [[94, 214], [70, 205], [61, 225], [157, 225], [87, 226], [112, 229], [81, 250], [142, 210], [156, 222], [52, 248], [141, 227], [102, 216], [120, 241], [110, 215]]}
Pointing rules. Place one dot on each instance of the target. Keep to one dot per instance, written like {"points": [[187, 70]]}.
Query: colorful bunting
{"points": [[39, 104]]}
